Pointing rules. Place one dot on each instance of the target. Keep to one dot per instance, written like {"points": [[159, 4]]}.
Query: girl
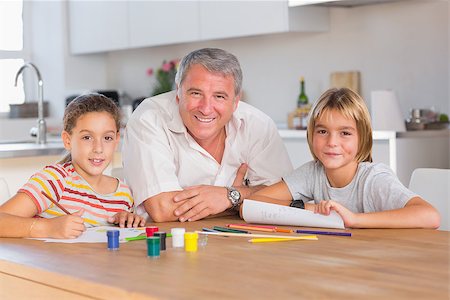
{"points": [[91, 134], [342, 176]]}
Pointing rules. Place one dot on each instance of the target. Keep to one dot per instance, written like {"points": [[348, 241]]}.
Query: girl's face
{"points": [[335, 142], [92, 143]]}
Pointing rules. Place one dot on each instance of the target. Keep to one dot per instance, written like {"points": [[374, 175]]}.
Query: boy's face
{"points": [[92, 143], [335, 142]]}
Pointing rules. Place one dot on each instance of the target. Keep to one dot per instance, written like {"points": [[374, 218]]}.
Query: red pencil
{"points": [[56, 203]]}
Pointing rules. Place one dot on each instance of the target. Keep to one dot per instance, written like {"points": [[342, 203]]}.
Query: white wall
{"points": [[63, 74], [401, 46]]}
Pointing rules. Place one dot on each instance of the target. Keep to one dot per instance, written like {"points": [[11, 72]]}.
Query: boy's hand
{"points": [[325, 206], [65, 227], [131, 219]]}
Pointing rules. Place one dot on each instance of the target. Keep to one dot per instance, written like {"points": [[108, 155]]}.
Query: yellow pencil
{"points": [[268, 240]]}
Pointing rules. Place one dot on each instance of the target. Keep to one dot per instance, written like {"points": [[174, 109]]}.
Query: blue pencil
{"points": [[324, 232]]}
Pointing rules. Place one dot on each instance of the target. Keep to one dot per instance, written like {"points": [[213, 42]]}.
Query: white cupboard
{"points": [[163, 22], [226, 19], [96, 26], [100, 26]]}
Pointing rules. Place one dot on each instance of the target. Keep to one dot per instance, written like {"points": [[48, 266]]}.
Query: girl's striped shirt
{"points": [[66, 186]]}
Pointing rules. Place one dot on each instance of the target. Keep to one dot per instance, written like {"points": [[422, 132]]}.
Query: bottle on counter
{"points": [[302, 98]]}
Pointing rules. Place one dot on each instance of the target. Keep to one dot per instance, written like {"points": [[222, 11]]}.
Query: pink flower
{"points": [[175, 63], [149, 71], [166, 67]]}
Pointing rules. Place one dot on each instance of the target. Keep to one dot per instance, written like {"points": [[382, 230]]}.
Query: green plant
{"points": [[443, 118], [165, 77]]}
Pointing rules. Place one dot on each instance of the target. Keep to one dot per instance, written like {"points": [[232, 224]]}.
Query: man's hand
{"points": [[240, 175], [204, 200], [200, 202]]}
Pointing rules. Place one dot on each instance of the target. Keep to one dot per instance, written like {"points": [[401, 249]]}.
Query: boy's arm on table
{"points": [[417, 213], [277, 193]]}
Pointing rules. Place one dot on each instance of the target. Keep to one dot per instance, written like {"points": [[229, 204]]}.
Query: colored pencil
{"points": [[311, 237], [136, 238], [250, 228], [209, 229], [324, 232], [56, 203], [261, 228], [268, 240], [253, 225], [224, 229], [284, 230]]}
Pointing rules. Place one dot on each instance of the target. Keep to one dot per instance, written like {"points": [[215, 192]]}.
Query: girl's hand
{"points": [[325, 206], [65, 227], [131, 219]]}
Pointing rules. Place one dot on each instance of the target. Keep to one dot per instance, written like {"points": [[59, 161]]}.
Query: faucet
{"points": [[41, 126]]}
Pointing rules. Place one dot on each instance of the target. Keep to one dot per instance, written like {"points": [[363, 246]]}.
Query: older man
{"points": [[187, 152]]}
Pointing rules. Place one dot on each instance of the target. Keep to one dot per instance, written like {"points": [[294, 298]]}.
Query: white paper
{"points": [[268, 213], [97, 235]]}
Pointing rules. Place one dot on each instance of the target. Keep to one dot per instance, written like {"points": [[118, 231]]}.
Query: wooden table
{"points": [[382, 264]]}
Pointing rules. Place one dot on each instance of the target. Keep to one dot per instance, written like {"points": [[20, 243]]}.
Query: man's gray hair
{"points": [[215, 61]]}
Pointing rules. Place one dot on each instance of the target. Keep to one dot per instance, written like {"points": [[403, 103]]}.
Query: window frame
{"points": [[25, 53]]}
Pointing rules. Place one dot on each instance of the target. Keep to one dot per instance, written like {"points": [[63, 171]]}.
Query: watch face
{"points": [[235, 195]]}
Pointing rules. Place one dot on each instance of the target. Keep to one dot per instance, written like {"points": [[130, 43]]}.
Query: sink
{"points": [[50, 140], [22, 148]]}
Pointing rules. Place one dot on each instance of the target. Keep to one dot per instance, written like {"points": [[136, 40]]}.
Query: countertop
{"points": [[377, 134], [54, 146], [15, 149]]}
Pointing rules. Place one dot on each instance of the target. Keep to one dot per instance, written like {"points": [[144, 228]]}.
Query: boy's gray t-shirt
{"points": [[373, 188]]}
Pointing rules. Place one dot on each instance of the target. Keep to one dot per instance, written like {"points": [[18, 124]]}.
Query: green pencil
{"points": [[141, 237]]}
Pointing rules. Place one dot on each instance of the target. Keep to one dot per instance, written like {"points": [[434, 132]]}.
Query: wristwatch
{"points": [[298, 204], [234, 196]]}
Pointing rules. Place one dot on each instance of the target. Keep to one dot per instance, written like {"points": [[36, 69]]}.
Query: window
{"points": [[12, 54]]}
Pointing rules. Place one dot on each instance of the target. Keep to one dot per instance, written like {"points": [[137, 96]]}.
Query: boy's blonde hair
{"points": [[350, 105], [84, 104]]}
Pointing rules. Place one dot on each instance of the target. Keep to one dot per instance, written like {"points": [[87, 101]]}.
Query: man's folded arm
{"points": [[161, 207]]}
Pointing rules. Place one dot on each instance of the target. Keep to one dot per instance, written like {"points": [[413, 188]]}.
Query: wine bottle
{"points": [[302, 98]]}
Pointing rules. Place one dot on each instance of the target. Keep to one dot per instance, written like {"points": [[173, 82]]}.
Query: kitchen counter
{"points": [[29, 148], [377, 135], [402, 151]]}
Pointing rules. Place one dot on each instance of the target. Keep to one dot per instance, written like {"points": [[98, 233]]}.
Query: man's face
{"points": [[206, 103]]}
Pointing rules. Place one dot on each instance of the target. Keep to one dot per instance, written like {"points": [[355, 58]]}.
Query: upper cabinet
{"points": [[154, 23], [226, 19], [98, 26]]}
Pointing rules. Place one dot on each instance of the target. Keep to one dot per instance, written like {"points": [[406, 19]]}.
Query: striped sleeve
{"points": [[50, 180]]}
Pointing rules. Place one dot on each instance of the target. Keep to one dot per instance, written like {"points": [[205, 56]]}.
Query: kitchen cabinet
{"points": [[163, 22], [17, 170], [225, 19], [99, 26]]}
